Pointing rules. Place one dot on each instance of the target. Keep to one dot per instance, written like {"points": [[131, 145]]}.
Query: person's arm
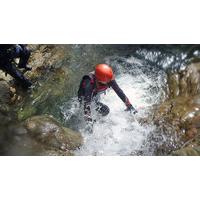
{"points": [[122, 96]]}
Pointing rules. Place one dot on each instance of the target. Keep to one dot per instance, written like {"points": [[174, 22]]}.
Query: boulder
{"points": [[182, 108], [185, 83], [17, 142], [46, 130]]}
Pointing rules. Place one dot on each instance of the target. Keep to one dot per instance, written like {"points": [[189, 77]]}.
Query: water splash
{"points": [[121, 133]]}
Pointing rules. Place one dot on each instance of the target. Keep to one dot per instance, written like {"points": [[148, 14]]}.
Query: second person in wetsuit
{"points": [[8, 52], [96, 83]]}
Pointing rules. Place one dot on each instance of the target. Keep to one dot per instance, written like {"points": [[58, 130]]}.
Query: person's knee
{"points": [[103, 109], [24, 57], [25, 52]]}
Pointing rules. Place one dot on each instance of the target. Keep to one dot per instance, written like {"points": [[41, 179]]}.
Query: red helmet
{"points": [[103, 73]]}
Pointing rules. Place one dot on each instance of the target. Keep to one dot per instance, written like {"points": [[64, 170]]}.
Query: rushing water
{"points": [[121, 133], [141, 71]]}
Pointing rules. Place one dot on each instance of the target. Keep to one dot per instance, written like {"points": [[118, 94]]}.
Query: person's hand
{"points": [[89, 124], [131, 109]]}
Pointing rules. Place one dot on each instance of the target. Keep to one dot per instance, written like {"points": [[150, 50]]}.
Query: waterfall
{"points": [[121, 133]]}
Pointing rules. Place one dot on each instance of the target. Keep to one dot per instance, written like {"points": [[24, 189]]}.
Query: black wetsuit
{"points": [[88, 92], [8, 52]]}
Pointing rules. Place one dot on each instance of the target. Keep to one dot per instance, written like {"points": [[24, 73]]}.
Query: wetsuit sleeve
{"points": [[119, 92]]}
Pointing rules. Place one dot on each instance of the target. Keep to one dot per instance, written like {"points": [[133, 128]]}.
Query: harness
{"points": [[96, 91]]}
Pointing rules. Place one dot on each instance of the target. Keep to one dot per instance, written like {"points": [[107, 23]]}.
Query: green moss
{"points": [[26, 112]]}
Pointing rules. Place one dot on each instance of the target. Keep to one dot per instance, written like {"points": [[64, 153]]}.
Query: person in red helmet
{"points": [[98, 82]]}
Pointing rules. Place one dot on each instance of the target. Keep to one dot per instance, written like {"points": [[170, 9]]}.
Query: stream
{"points": [[141, 73]]}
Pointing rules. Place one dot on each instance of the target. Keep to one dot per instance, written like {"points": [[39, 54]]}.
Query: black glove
{"points": [[131, 109]]}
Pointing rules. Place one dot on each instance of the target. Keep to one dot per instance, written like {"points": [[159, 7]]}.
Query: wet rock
{"points": [[188, 151], [4, 92], [5, 77], [44, 58], [49, 132], [25, 112], [173, 82], [17, 141], [182, 109], [55, 153], [74, 139], [50, 80], [185, 83], [5, 99], [191, 133]]}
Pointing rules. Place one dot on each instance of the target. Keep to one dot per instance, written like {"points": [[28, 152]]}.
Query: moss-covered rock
{"points": [[48, 131], [50, 80], [5, 100], [17, 141]]}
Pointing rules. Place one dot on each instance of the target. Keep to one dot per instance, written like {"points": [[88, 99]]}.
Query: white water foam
{"points": [[120, 133]]}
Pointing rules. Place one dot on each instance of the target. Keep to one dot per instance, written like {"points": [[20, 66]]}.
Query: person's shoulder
{"points": [[112, 80], [86, 77]]}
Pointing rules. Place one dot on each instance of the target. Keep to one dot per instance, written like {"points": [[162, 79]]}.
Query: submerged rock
{"points": [[48, 131]]}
